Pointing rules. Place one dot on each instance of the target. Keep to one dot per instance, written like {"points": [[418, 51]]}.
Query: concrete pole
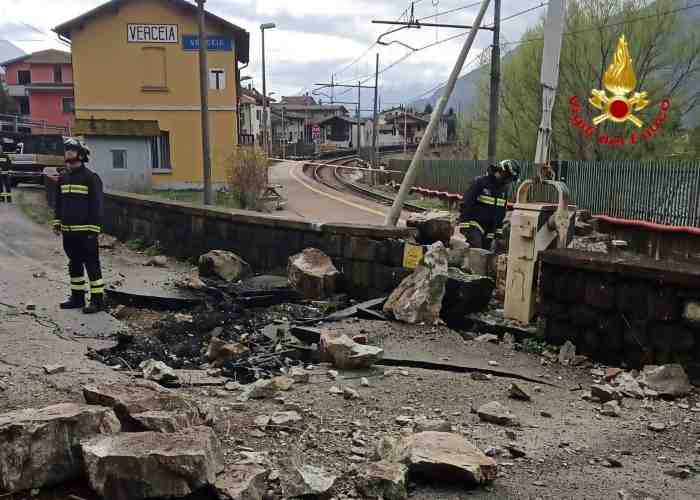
{"points": [[359, 89], [204, 93], [392, 217], [375, 119], [495, 81], [266, 141]]}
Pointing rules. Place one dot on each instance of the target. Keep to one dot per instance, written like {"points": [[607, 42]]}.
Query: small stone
{"points": [[159, 372], [403, 420], [656, 426], [30, 306], [493, 451], [383, 480], [567, 352], [605, 393], [680, 473], [364, 382], [480, 376], [611, 373], [308, 481], [233, 386], [545, 414], [540, 484], [286, 419], [423, 424], [333, 374], [404, 373], [350, 393], [54, 369], [274, 476], [487, 338], [157, 261], [493, 363], [262, 421], [335, 390], [612, 463], [283, 383], [496, 413], [260, 389], [611, 409], [299, 375], [517, 392], [515, 451]]}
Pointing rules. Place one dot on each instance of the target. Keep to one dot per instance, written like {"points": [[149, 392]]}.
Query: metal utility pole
{"points": [[375, 119], [204, 94], [553, 34], [332, 87], [284, 132], [266, 136], [392, 217], [495, 81], [405, 130], [359, 88]]}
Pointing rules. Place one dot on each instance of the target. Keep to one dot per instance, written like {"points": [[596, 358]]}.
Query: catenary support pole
{"points": [[204, 92], [375, 118], [392, 217], [495, 82]]}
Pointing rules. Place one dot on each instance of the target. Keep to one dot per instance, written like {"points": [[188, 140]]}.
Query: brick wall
{"points": [[616, 309], [370, 257]]}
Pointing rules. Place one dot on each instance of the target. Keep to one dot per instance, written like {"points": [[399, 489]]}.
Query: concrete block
{"points": [[664, 304], [482, 262], [691, 312]]}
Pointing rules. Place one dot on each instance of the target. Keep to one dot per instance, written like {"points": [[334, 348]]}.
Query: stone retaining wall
{"points": [[370, 257], [630, 309]]}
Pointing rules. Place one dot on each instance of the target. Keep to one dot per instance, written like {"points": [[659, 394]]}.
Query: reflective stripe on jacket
{"points": [[484, 205]]}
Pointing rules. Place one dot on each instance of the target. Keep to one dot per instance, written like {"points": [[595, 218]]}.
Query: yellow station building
{"points": [[137, 61]]}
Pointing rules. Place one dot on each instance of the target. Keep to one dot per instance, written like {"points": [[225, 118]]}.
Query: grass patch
{"points": [[34, 206], [136, 245], [221, 199]]}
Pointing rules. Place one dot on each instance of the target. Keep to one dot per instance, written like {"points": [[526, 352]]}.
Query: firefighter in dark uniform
{"points": [[5, 180], [78, 218], [484, 205]]}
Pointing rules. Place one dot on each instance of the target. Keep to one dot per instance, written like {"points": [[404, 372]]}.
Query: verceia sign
{"points": [[618, 103]]}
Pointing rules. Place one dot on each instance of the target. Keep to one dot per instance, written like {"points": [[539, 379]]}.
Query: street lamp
{"points": [[266, 142]]}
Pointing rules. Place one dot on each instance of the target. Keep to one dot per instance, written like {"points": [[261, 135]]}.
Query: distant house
{"points": [[8, 51], [314, 114], [396, 126], [42, 85], [251, 116]]}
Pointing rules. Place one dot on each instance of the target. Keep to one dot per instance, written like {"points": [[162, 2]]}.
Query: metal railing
{"points": [[17, 122], [663, 192]]}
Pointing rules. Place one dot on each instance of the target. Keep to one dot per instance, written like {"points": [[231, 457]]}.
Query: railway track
{"points": [[329, 173]]}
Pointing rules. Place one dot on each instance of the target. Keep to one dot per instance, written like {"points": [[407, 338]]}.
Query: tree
{"points": [[428, 109], [666, 59], [7, 104]]}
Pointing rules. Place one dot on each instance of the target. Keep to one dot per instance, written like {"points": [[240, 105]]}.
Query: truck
{"points": [[27, 167]]}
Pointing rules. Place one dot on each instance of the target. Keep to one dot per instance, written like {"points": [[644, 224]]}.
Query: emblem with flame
{"points": [[620, 80]]}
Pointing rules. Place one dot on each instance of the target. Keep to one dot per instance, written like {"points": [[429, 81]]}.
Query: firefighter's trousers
{"points": [[82, 250], [5, 187]]}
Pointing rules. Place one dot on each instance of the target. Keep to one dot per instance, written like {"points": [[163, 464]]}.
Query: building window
{"points": [[217, 79], [119, 158], [258, 115], [24, 77], [160, 152], [58, 74], [154, 69], [68, 105], [24, 108]]}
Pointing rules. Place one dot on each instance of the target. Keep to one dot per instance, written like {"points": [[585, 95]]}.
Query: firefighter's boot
{"points": [[76, 301], [9, 198], [96, 304]]}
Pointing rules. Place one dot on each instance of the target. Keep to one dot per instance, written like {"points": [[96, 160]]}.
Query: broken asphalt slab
{"points": [[153, 297]]}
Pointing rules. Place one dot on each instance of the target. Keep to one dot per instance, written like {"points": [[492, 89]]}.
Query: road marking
{"points": [[336, 198]]}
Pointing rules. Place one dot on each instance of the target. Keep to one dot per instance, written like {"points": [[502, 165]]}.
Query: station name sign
{"points": [[216, 43], [152, 33]]}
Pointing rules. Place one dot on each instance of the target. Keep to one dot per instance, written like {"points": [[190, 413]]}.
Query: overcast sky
{"points": [[313, 39]]}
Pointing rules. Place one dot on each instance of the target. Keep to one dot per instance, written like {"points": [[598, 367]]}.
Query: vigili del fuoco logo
{"points": [[618, 103]]}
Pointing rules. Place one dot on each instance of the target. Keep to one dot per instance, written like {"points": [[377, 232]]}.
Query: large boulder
{"points": [[221, 352], [308, 481], [224, 265], [496, 413], [419, 297], [134, 466], [432, 227], [465, 294], [313, 274], [145, 407], [40, 447], [443, 456], [383, 480], [458, 254], [242, 482], [667, 380], [346, 354]]}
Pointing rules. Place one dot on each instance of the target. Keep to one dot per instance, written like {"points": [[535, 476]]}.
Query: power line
{"points": [[438, 14], [612, 25]]}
